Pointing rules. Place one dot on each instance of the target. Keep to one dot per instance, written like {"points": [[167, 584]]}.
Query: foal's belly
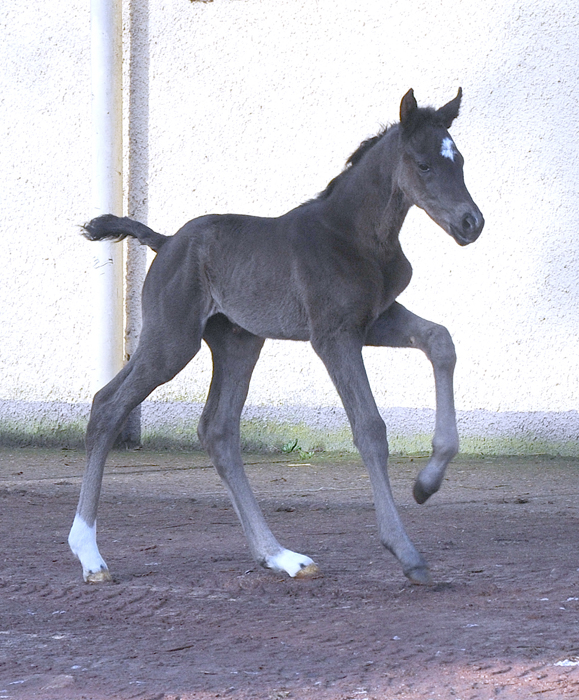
{"points": [[278, 323]]}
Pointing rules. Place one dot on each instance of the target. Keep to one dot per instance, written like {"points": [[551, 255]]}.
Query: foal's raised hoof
{"points": [[428, 482], [102, 576], [310, 571], [420, 493], [419, 575]]}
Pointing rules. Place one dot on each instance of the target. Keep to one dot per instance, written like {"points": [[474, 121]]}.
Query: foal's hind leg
{"points": [[157, 360], [400, 328], [235, 352]]}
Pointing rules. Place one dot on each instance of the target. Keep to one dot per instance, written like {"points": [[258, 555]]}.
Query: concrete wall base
{"points": [[274, 428]]}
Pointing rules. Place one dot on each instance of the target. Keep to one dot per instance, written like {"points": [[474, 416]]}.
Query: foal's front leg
{"points": [[343, 359], [399, 328]]}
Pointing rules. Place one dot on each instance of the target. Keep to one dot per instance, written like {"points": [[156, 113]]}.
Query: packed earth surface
{"points": [[190, 615]]}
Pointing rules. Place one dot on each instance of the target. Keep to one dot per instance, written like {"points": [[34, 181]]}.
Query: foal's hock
{"points": [[329, 272]]}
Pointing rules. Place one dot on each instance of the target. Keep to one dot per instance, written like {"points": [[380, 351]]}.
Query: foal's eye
{"points": [[423, 167]]}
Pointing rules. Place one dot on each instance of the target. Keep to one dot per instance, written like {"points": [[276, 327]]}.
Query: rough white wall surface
{"points": [[250, 106]]}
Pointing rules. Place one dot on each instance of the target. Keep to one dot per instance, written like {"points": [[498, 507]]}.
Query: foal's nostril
{"points": [[469, 223]]}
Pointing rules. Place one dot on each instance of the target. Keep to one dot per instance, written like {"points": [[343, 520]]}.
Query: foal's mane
{"points": [[421, 117], [353, 160]]}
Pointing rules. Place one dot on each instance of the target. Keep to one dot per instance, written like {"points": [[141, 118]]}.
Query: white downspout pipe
{"points": [[107, 185]]}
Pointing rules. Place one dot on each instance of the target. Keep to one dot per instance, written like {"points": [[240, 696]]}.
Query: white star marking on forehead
{"points": [[448, 148]]}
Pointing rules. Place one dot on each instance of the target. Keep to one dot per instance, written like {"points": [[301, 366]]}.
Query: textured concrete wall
{"points": [[250, 106]]}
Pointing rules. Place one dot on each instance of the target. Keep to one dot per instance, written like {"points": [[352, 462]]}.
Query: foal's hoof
{"points": [[310, 571], [291, 563], [419, 575], [421, 495], [102, 576], [427, 483]]}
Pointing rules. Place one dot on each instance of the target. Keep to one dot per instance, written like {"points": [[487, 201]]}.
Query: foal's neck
{"points": [[369, 201]]}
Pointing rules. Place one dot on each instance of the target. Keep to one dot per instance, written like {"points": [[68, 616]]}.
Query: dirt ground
{"points": [[189, 615]]}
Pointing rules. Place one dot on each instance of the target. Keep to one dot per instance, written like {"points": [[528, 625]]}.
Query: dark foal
{"points": [[329, 272]]}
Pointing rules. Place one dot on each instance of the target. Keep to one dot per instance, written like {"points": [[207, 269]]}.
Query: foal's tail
{"points": [[111, 227]]}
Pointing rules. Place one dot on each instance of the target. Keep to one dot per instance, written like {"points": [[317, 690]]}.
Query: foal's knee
{"points": [[439, 347]]}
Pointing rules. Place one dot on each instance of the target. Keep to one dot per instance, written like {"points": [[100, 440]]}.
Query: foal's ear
{"points": [[407, 107], [449, 112]]}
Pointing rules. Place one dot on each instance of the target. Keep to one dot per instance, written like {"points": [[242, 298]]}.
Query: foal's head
{"points": [[431, 174]]}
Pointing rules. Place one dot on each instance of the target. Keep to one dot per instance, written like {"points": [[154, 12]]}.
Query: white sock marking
{"points": [[82, 541], [448, 148], [288, 561]]}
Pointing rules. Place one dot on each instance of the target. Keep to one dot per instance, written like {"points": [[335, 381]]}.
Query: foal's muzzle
{"points": [[470, 228]]}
